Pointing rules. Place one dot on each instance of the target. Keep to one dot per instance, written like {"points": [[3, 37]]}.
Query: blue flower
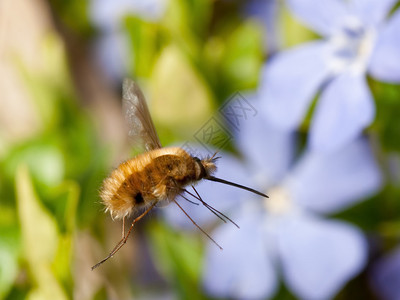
{"points": [[267, 13], [386, 276], [288, 231], [357, 40], [108, 15]]}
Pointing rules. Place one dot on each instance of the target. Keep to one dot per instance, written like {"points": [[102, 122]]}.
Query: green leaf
{"points": [[39, 238], [43, 158], [179, 96], [178, 24], [75, 15], [39, 231], [9, 251], [72, 189], [243, 56], [178, 257], [47, 85], [65, 246], [294, 32], [188, 18], [387, 121], [144, 38], [47, 285]]}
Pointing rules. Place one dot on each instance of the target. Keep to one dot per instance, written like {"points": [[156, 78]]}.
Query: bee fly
{"points": [[155, 176]]}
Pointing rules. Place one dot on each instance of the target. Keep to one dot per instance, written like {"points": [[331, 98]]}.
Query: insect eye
{"points": [[197, 159]]}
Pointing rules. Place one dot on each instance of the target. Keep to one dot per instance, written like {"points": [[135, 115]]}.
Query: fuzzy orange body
{"points": [[158, 175]]}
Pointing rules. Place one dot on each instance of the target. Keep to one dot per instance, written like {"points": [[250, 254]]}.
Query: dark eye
{"points": [[197, 159]]}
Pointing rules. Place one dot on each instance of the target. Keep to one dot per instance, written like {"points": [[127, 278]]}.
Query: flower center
{"points": [[279, 201], [351, 46]]}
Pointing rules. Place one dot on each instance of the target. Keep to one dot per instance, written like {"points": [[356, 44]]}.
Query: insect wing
{"points": [[141, 129]]}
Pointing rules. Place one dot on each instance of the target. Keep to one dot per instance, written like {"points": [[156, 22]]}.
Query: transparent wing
{"points": [[141, 129]]}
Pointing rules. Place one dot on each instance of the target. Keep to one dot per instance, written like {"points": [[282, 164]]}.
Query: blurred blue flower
{"points": [[386, 276], [112, 52], [108, 15], [266, 12], [286, 232], [357, 40], [112, 48]]}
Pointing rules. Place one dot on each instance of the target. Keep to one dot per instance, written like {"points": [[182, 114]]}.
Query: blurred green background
{"points": [[61, 133]]}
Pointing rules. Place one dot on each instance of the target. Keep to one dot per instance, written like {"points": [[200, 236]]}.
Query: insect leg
{"points": [[188, 200], [215, 211], [124, 238], [204, 204], [195, 224], [123, 227]]}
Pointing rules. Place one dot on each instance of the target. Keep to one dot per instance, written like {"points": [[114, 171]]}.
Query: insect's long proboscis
{"points": [[212, 178]]}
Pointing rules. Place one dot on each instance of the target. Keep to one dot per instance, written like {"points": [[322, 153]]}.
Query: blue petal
{"points": [[344, 109], [385, 276], [269, 149], [322, 16], [329, 182], [222, 197], [290, 81], [385, 59], [112, 52], [320, 256], [244, 268], [371, 12], [107, 15], [267, 12]]}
